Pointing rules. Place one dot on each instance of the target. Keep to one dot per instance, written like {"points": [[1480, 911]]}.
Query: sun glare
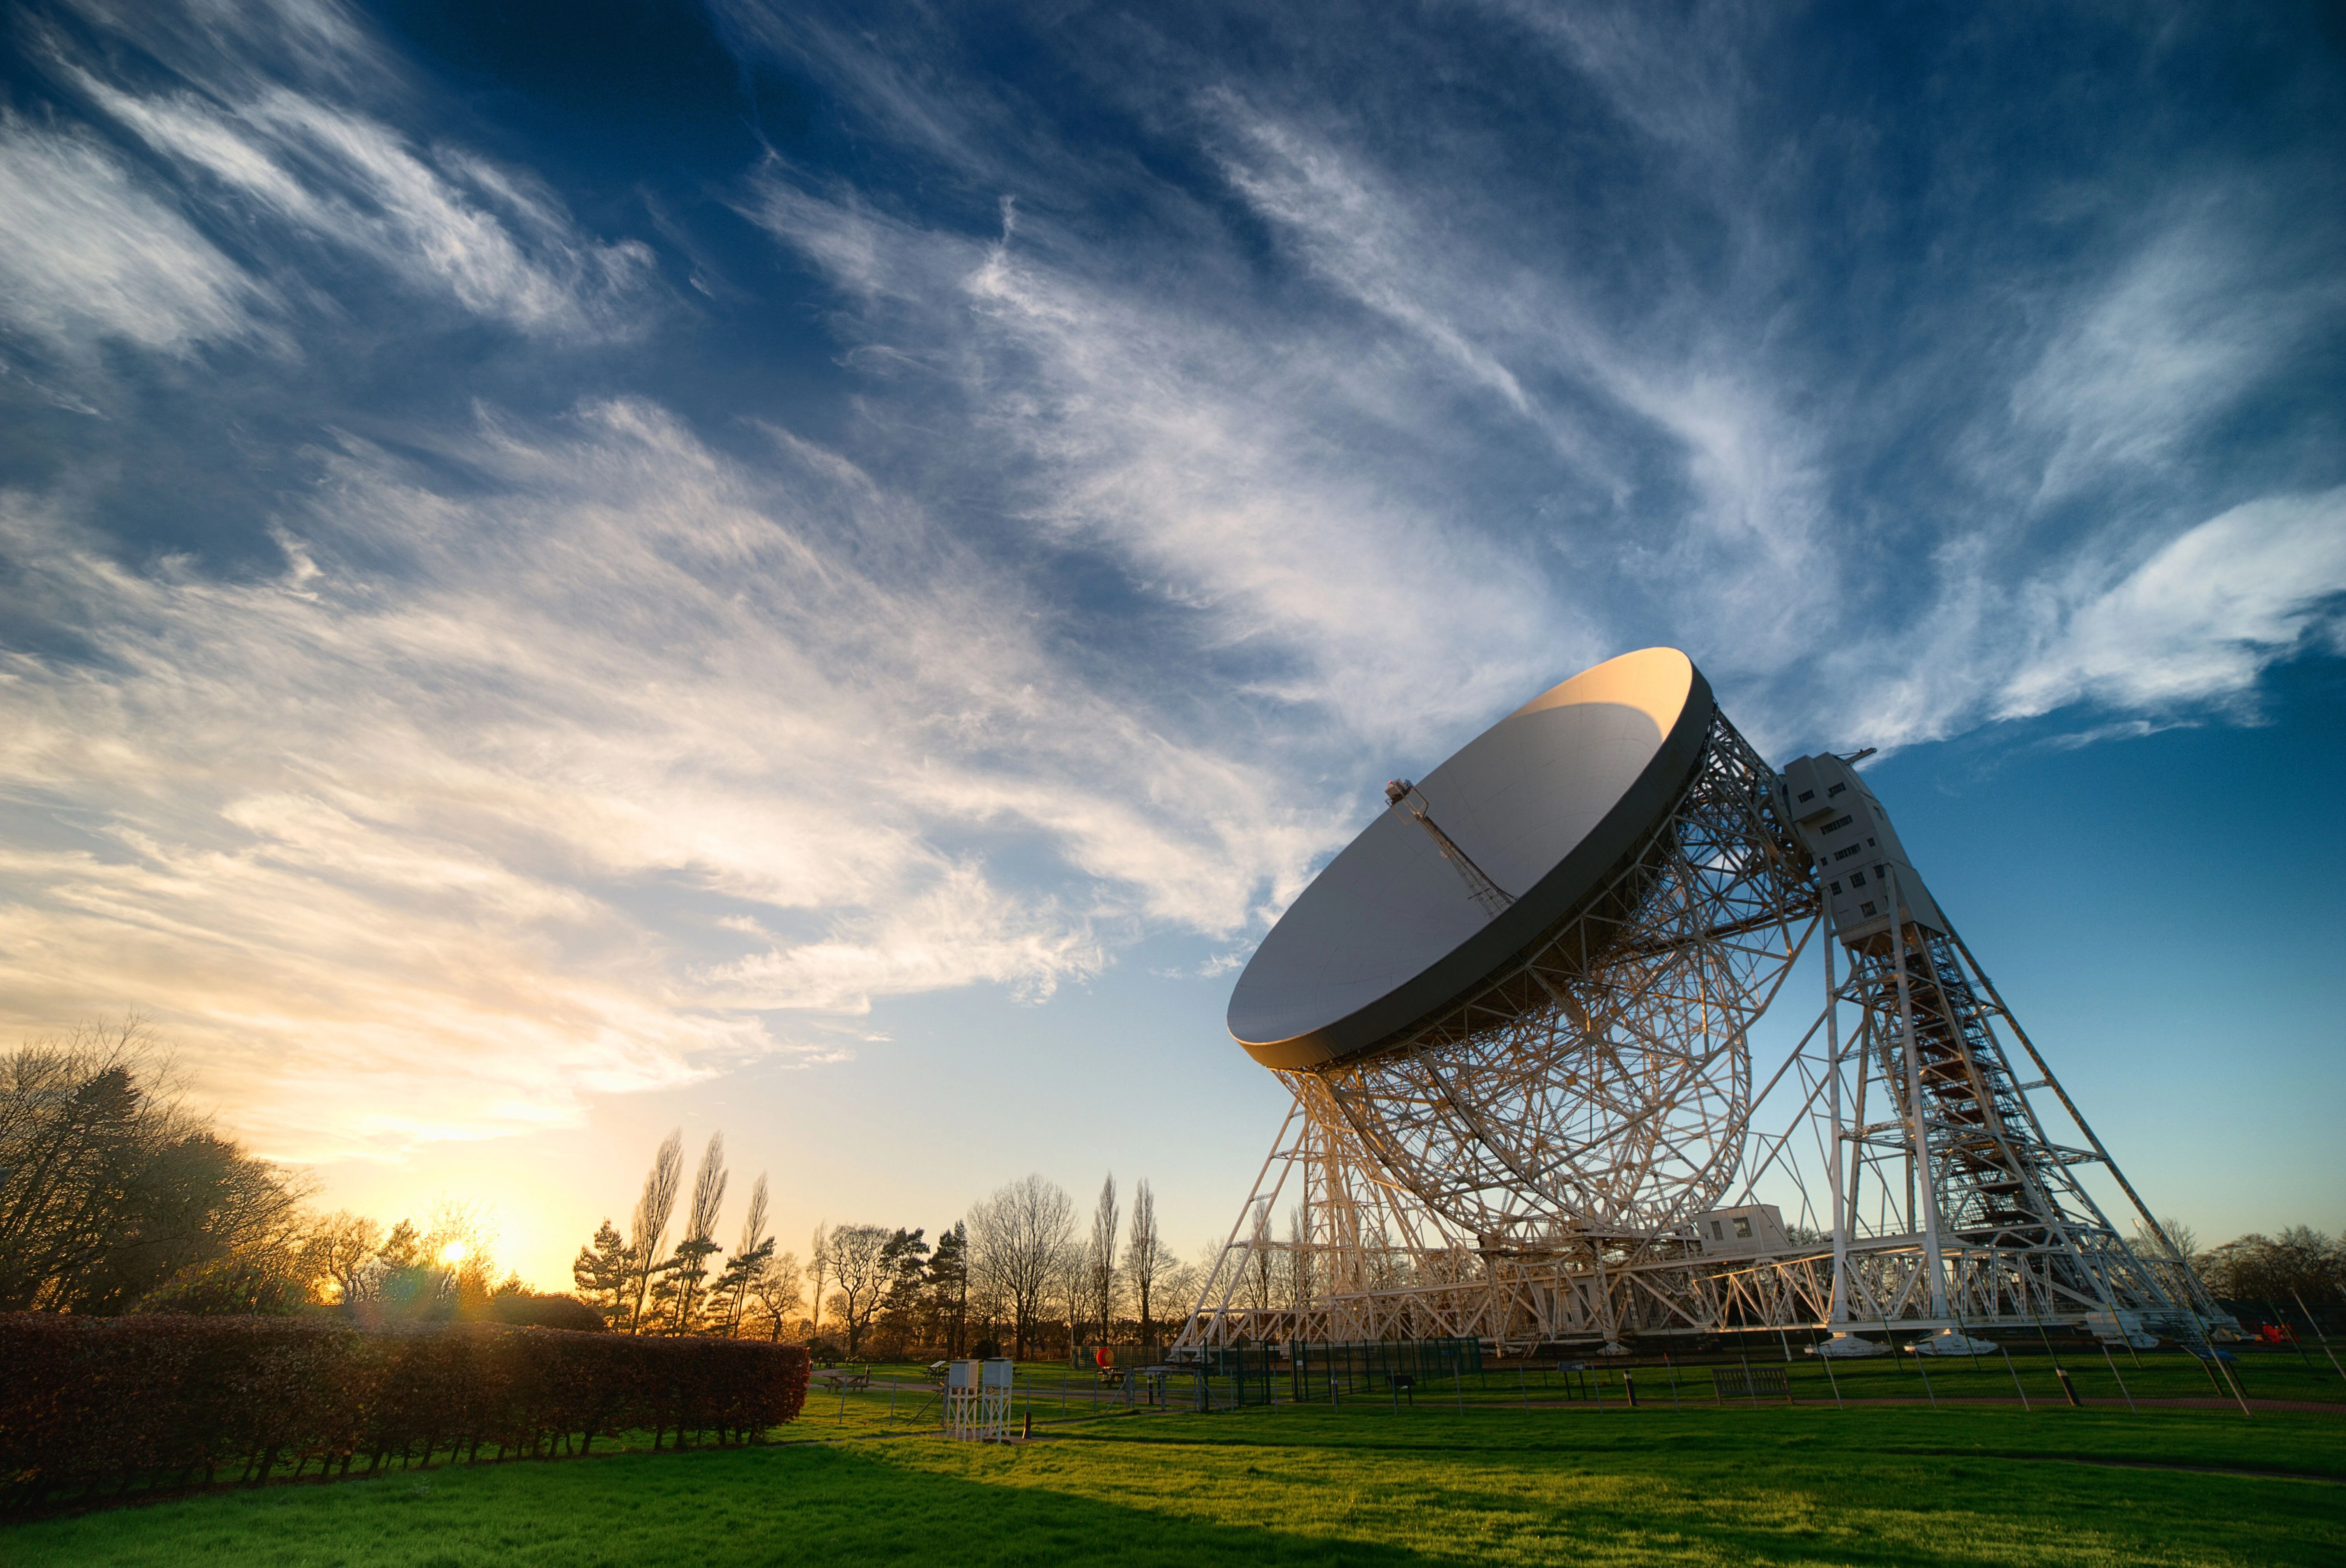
{"points": [[453, 1254]]}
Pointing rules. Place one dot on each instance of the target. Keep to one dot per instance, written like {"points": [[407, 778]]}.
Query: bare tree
{"points": [[1099, 1259], [648, 1229], [1018, 1240], [861, 1269], [1297, 1270], [1144, 1260], [338, 1248], [819, 1268], [2298, 1264], [1071, 1288], [777, 1291], [460, 1236], [689, 1267], [1181, 1283], [2179, 1244], [1260, 1267]]}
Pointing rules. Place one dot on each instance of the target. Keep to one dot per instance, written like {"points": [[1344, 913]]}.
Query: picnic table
{"points": [[841, 1378]]}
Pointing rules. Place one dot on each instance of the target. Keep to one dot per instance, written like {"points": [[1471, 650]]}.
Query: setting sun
{"points": [[453, 1254]]}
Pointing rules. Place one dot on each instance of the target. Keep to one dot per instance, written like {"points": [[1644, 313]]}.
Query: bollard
{"points": [[1629, 1388], [1027, 1430], [2068, 1387]]}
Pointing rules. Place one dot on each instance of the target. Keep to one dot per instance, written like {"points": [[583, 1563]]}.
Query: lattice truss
{"points": [[2020, 1235], [1521, 1167], [1585, 1098]]}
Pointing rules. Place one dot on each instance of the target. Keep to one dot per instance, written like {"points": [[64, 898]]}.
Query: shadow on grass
{"points": [[741, 1506], [1285, 1489]]}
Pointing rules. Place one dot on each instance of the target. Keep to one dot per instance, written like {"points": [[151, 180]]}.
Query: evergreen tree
{"points": [[605, 1274], [949, 1287], [903, 1264], [730, 1296]]}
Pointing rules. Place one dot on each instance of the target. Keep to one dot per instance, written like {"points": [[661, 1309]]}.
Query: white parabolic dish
{"points": [[1546, 801]]}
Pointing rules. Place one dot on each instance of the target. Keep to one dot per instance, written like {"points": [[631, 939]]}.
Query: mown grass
{"points": [[1883, 1484]]}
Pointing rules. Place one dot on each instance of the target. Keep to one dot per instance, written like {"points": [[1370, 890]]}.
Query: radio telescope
{"points": [[1514, 1016]]}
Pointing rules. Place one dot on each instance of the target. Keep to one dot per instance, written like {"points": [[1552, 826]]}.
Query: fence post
{"points": [[2120, 1381], [2294, 1342], [2015, 1379], [2319, 1335], [2231, 1378]]}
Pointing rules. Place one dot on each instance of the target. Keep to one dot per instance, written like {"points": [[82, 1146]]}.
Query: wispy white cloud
{"points": [[1178, 499], [1185, 445], [473, 832], [2195, 319], [94, 255], [2199, 620], [291, 161], [449, 224]]}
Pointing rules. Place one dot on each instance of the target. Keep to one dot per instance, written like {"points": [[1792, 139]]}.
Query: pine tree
{"points": [[949, 1286], [730, 1295], [903, 1264], [605, 1273]]}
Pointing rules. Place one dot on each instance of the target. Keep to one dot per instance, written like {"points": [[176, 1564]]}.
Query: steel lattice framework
{"points": [[1522, 1166], [1600, 1084]]}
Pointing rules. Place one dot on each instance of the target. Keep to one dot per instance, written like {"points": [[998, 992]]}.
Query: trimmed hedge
{"points": [[103, 1404]]}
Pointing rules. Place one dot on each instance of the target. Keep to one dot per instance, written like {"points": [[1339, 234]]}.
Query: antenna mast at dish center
{"points": [[1514, 1015]]}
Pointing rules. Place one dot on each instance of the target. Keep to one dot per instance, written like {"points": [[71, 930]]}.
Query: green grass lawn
{"points": [[1873, 1484]]}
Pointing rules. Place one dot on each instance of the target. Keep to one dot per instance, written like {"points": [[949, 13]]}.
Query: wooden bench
{"points": [[841, 1377], [1750, 1383]]}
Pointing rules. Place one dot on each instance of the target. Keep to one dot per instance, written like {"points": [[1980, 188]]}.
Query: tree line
{"points": [[1022, 1271], [115, 1196], [1016, 1272], [2301, 1265]]}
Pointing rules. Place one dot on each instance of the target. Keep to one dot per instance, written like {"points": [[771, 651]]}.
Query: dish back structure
{"points": [[1569, 1149]]}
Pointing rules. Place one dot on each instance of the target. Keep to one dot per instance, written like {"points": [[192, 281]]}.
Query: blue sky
{"points": [[570, 568]]}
